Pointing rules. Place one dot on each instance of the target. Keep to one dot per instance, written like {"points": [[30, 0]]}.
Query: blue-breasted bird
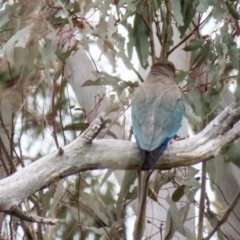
{"points": [[157, 111]]}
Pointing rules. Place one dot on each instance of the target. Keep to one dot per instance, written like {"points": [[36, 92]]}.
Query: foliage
{"points": [[37, 40]]}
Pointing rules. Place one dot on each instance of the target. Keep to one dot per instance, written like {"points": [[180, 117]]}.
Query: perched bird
{"points": [[157, 111]]}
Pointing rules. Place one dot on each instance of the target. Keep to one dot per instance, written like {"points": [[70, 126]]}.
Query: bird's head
{"points": [[163, 66]]}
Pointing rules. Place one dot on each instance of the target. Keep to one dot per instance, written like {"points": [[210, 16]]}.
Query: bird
{"points": [[157, 111]]}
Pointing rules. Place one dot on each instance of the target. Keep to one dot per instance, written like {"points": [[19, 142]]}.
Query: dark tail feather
{"points": [[150, 158]]}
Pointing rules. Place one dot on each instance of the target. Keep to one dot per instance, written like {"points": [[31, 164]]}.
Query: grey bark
{"points": [[81, 155]]}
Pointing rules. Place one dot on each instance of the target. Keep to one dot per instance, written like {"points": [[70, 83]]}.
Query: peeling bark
{"points": [[81, 155]]}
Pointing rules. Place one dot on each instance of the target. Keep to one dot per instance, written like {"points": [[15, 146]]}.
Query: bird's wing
{"points": [[168, 113], [156, 118], [142, 118]]}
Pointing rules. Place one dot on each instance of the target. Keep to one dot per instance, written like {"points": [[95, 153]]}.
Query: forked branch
{"points": [[82, 154]]}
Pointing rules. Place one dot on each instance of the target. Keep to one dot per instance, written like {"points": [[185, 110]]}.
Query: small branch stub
{"points": [[92, 131], [30, 218]]}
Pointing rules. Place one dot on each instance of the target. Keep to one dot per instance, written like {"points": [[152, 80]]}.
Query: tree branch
{"points": [[224, 217], [80, 156]]}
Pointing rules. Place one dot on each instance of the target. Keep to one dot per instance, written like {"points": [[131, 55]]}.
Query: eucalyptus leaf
{"points": [[193, 45], [176, 7], [95, 206], [128, 180], [175, 214], [142, 43], [106, 176], [234, 56], [76, 126], [191, 116], [178, 193], [202, 55], [192, 182], [179, 76], [20, 38], [99, 231], [204, 5], [152, 195]]}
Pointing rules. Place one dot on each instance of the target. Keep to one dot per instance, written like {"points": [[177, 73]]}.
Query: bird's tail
{"points": [[150, 158]]}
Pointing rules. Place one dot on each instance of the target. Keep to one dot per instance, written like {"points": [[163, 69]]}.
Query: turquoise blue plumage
{"points": [[157, 111]]}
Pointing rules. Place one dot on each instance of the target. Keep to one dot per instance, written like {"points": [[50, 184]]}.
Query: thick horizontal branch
{"points": [[81, 155]]}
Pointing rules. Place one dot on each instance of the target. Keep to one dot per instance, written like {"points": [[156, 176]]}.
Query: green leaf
{"points": [[76, 126], [232, 152], [175, 221], [65, 12], [101, 81], [192, 182], [211, 170], [19, 39], [64, 55], [218, 12], [176, 7], [131, 6], [114, 107], [131, 41], [159, 181], [175, 214], [178, 193], [142, 43], [204, 5], [111, 27], [180, 76], [3, 20], [191, 116], [152, 195], [234, 56], [237, 92], [191, 171], [202, 55], [212, 218], [121, 53], [128, 180], [188, 15], [133, 194], [106, 176], [95, 206], [193, 45], [226, 36], [99, 231], [232, 10], [111, 134], [74, 212], [48, 51]]}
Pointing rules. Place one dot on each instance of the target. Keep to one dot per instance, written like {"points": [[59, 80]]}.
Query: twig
{"points": [[60, 107], [182, 41], [189, 35], [13, 168], [152, 46], [54, 133], [163, 53], [157, 24], [202, 201], [16, 211], [92, 131], [144, 20], [224, 217], [137, 73]]}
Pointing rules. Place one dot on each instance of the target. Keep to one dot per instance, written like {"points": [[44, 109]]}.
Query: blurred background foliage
{"points": [[37, 40]]}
